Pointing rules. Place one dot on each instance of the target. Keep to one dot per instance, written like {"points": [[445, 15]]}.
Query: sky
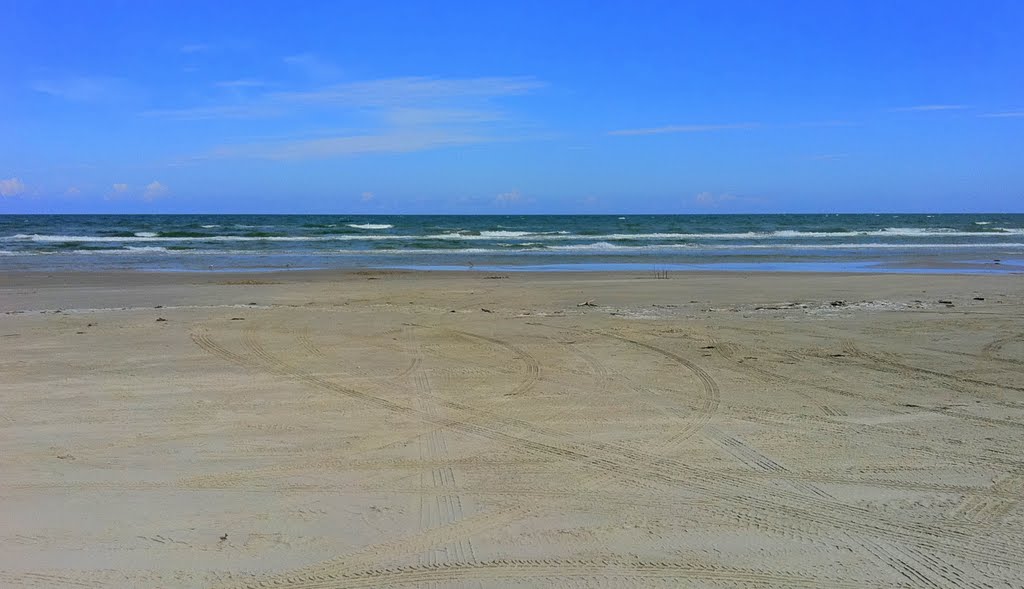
{"points": [[511, 107]]}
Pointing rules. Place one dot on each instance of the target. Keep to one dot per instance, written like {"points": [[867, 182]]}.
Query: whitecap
{"points": [[487, 234], [145, 234], [370, 226], [126, 251]]}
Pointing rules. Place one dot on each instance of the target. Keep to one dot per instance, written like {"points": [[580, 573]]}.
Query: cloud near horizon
{"points": [[12, 187], [154, 190], [710, 199], [512, 196]]}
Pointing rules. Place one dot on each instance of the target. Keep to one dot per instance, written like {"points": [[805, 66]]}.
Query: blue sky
{"points": [[521, 107]]}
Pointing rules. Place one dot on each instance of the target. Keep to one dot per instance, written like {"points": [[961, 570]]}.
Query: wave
{"points": [[175, 236], [125, 251], [531, 250], [532, 237], [370, 226], [510, 234], [604, 246]]}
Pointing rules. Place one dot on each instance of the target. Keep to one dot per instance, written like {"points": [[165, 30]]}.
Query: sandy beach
{"points": [[477, 429]]}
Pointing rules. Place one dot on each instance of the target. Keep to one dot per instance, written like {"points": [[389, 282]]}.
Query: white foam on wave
{"points": [[596, 246], [858, 246], [493, 234], [125, 251], [603, 246], [913, 231], [370, 226], [107, 239], [983, 222], [209, 226], [533, 238]]}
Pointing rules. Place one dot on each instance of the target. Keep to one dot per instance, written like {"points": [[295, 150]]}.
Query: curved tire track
{"points": [[621, 572], [820, 513]]}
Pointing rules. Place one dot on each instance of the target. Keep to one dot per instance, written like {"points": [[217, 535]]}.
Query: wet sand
{"points": [[478, 429]]}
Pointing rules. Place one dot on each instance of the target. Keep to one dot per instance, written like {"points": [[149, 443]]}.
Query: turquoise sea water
{"points": [[883, 242]]}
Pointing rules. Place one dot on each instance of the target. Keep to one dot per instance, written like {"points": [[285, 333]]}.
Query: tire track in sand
{"points": [[761, 462], [824, 515], [445, 506], [757, 461], [977, 507], [992, 349], [726, 351], [903, 559], [435, 536], [616, 571], [710, 397], [875, 360]]}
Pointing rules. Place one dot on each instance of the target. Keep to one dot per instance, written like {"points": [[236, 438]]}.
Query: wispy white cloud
{"points": [[367, 196], [120, 188], [396, 141], [930, 107], [12, 187], [194, 48], [838, 123], [154, 190], [313, 66], [73, 191], [685, 129], [409, 100], [432, 116], [225, 111], [406, 91], [375, 116], [85, 88], [241, 83], [1004, 115]]}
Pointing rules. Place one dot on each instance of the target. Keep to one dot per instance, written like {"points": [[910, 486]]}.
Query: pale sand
{"points": [[381, 429]]}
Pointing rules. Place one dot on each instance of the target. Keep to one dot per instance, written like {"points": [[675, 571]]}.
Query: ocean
{"points": [[963, 243]]}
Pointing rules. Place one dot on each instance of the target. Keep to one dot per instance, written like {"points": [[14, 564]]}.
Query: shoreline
{"points": [[905, 268]]}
